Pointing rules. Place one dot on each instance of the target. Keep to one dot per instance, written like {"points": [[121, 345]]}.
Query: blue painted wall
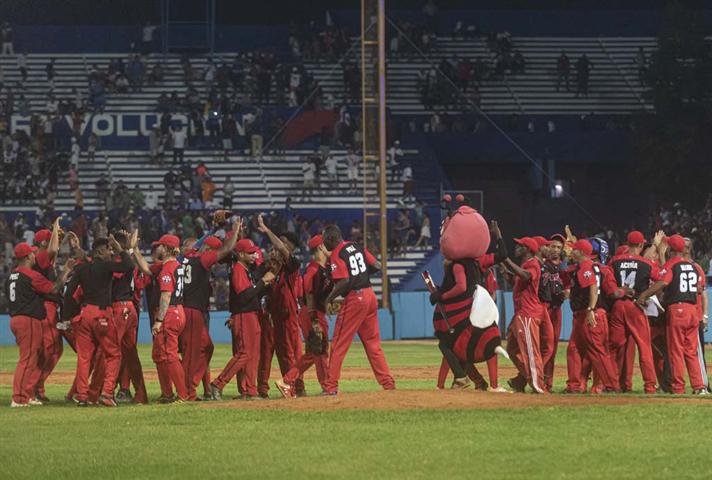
{"points": [[411, 317]]}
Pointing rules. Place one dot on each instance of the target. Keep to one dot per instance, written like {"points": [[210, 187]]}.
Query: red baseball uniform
{"points": [[97, 330], [245, 308], [358, 314], [628, 320], [52, 346], [196, 345], [25, 290], [165, 344], [317, 283], [523, 342], [591, 341], [683, 283]]}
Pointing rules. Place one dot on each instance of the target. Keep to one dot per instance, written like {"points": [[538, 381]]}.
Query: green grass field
{"points": [[637, 440]]}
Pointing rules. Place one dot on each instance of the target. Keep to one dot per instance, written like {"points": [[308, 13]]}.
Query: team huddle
{"points": [[647, 296], [94, 306]]}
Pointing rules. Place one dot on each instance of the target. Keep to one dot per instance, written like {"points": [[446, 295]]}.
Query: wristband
{"points": [[590, 309], [131, 251], [705, 317]]}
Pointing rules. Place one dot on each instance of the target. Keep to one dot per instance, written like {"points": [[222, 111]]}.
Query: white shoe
{"points": [[498, 390], [14, 404], [34, 402]]}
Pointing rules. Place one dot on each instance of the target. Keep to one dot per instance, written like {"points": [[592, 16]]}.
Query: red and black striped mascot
{"points": [[466, 318]]}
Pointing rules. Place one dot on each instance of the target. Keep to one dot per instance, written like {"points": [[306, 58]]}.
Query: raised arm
{"points": [[230, 242], [501, 252], [53, 247], [274, 239]]}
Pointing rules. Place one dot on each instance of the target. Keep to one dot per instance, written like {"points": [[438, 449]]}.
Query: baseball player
{"points": [[284, 305], [554, 296], [25, 290], [350, 265], [702, 307], [680, 281], [170, 320], [312, 320], [591, 285], [196, 346], [97, 329], [628, 319], [523, 341], [48, 246], [244, 321]]}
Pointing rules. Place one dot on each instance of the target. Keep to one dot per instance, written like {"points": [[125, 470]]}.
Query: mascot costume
{"points": [[466, 318]]}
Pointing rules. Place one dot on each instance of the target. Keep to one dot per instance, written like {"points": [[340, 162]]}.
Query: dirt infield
{"points": [[446, 399]]}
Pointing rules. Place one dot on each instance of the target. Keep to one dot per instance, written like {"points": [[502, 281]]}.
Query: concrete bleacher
{"points": [[613, 84]]}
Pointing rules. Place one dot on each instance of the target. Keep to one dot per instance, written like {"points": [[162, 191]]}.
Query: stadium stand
{"points": [[614, 85]]}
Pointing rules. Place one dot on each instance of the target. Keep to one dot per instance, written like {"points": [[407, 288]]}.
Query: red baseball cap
{"points": [[213, 242], [315, 241], [246, 245], [584, 246], [528, 242], [635, 238], [541, 241], [170, 241], [676, 243], [24, 249], [622, 250], [42, 235]]}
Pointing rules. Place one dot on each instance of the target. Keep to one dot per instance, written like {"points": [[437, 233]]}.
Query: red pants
{"points": [[524, 349], [197, 349], [592, 344], [130, 361], [358, 314], [627, 320], [549, 360], [682, 342], [288, 344], [321, 361], [28, 336], [266, 352], [165, 354], [97, 332], [658, 338], [52, 346], [246, 338]]}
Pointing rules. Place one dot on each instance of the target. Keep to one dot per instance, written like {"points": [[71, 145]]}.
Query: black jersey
{"points": [[96, 278], [24, 289], [245, 292], [197, 280], [582, 278], [551, 288], [683, 282], [350, 261], [633, 271], [122, 288], [70, 308]]}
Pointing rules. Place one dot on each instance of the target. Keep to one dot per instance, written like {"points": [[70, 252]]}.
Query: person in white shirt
{"points": [[75, 151], [332, 173], [408, 183], [151, 200], [309, 172], [179, 140], [147, 38], [394, 153], [352, 162]]}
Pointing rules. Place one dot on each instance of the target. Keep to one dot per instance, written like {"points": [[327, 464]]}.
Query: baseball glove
{"points": [[315, 340], [220, 217]]}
